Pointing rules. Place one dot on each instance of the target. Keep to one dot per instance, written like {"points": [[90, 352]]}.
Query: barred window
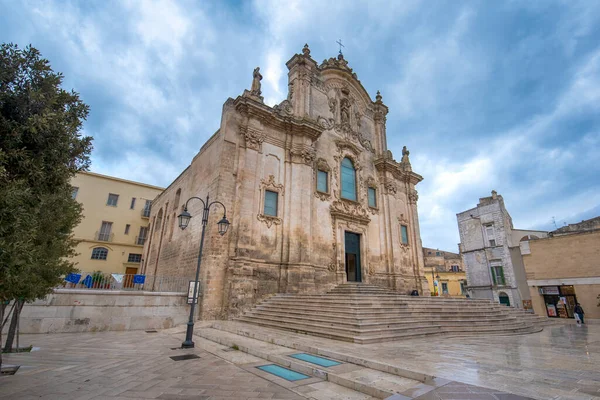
{"points": [[99, 253], [134, 258]]}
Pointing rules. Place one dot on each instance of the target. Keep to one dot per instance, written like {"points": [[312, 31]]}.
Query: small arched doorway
{"points": [[503, 297]]}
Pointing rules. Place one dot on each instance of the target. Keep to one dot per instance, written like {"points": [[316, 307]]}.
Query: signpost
{"points": [[190, 295]]}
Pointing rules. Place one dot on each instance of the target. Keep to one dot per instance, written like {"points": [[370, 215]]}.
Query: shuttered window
{"points": [[372, 198], [348, 180], [270, 203], [322, 182], [404, 230]]}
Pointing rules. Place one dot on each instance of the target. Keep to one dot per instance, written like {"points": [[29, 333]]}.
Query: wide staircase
{"points": [[363, 313]]}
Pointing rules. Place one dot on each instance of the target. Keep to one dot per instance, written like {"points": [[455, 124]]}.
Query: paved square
{"points": [[127, 365]]}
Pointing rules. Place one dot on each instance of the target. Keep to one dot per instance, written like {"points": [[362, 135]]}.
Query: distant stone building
{"points": [[445, 273], [491, 251], [115, 222], [564, 269], [314, 196]]}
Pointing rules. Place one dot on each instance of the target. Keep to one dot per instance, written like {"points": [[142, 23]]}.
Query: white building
{"points": [[491, 249]]}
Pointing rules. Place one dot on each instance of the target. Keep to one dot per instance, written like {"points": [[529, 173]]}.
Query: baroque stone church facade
{"points": [[314, 197]]}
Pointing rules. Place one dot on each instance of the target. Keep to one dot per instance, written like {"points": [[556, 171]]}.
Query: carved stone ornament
{"points": [[269, 184], [322, 196], [284, 108], [391, 188], [254, 138], [269, 220], [332, 267], [327, 123], [305, 154], [413, 196], [322, 165], [338, 63], [402, 219], [349, 210], [370, 270]]}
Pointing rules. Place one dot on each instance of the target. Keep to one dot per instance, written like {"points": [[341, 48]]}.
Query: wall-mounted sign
{"points": [[527, 305], [550, 290]]}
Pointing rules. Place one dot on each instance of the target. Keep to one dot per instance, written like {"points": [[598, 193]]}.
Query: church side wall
{"points": [[172, 251]]}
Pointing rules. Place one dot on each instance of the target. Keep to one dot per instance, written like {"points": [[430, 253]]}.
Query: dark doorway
{"points": [[504, 299], [353, 272]]}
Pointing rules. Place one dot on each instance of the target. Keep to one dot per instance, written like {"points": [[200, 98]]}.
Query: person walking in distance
{"points": [[579, 312]]}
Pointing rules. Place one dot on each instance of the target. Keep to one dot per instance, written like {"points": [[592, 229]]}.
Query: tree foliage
{"points": [[41, 149]]}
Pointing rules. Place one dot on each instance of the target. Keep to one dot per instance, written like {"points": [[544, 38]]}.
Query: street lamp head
{"points": [[223, 224], [184, 219]]}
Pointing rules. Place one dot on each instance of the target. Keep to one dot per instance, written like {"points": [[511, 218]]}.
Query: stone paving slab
{"points": [[562, 362], [137, 365]]}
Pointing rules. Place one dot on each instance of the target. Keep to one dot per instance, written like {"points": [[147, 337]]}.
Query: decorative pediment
{"points": [[270, 184], [349, 210], [344, 146]]}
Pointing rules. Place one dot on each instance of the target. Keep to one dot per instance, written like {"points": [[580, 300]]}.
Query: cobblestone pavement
{"points": [[127, 365]]}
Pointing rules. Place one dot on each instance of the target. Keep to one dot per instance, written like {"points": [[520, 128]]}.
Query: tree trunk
{"points": [[2, 308], [10, 337]]}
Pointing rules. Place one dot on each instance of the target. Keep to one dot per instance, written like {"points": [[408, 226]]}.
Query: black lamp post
{"points": [[184, 220]]}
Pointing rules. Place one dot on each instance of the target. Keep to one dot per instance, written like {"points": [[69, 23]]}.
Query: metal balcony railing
{"points": [[146, 212], [104, 237], [106, 281]]}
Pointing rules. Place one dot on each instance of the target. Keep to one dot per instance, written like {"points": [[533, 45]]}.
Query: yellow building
{"points": [[115, 222], [445, 273], [562, 270]]}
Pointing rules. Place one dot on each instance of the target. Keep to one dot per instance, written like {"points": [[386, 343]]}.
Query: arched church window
{"points": [[348, 179]]}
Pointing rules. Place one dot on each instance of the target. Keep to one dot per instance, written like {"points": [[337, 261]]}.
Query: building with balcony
{"points": [[445, 273], [492, 251], [115, 222]]}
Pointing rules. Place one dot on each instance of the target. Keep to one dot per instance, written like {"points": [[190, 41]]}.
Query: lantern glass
{"points": [[184, 219], [223, 225]]}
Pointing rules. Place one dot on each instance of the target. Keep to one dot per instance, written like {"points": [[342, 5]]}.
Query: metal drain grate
{"points": [[151, 331], [184, 357]]}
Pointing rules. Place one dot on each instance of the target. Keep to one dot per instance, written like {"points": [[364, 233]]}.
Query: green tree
{"points": [[41, 148]]}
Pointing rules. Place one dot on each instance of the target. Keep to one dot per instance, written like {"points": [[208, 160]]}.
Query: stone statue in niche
{"points": [[256, 78], [345, 111]]}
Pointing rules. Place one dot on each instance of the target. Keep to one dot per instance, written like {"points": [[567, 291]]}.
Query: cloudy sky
{"points": [[500, 95]]}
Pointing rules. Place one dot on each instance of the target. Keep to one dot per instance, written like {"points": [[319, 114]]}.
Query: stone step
{"points": [[390, 301], [371, 316], [345, 329], [366, 314], [347, 336], [378, 309], [375, 329], [387, 321]]}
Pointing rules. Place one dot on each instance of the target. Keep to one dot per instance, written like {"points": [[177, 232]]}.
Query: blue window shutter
{"points": [[372, 198], [404, 234], [322, 181], [348, 180], [270, 203]]}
